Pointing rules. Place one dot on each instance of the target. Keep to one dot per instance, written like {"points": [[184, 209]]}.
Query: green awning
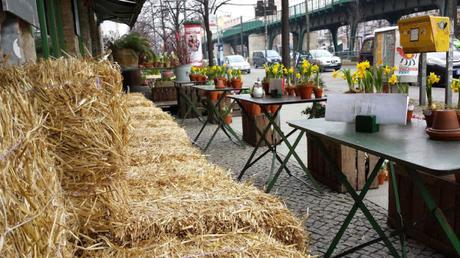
{"points": [[123, 11]]}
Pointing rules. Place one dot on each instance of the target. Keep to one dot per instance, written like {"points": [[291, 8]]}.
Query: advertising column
{"points": [[193, 42]]}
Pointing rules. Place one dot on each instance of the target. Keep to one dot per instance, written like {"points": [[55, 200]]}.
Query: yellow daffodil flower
{"points": [[315, 68], [433, 78], [393, 79], [387, 70], [297, 75], [455, 85], [395, 68], [291, 70]]}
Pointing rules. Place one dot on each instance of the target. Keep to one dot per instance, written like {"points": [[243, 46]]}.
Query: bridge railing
{"points": [[294, 11]]}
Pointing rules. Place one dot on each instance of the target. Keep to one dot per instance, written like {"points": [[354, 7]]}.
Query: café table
{"points": [[406, 145], [264, 103]]}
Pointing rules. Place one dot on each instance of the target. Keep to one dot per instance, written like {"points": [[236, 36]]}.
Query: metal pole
{"points": [[241, 36], [450, 10], [43, 28], [307, 22], [285, 33], [422, 80], [59, 27], [53, 31], [266, 29]]}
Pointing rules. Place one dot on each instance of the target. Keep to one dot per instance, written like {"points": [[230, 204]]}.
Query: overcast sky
{"points": [[235, 9]]}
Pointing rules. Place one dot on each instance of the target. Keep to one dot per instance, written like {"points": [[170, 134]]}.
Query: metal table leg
{"points": [[402, 236], [263, 137], [435, 210], [358, 201], [220, 125], [292, 151]]}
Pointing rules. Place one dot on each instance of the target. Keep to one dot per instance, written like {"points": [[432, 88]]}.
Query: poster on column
{"points": [[193, 42]]}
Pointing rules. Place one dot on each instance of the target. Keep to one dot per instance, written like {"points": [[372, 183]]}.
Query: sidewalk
{"points": [[325, 212]]}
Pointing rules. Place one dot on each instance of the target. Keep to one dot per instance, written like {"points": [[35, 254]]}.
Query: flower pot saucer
{"points": [[443, 135]]}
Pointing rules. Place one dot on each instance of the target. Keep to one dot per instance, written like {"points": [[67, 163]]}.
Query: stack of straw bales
{"points": [[94, 172], [32, 214]]}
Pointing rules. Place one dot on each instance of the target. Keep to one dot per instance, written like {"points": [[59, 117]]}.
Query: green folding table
{"points": [[407, 146], [264, 103], [214, 110]]}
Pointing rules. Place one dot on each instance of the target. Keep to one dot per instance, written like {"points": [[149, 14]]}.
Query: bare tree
{"points": [[160, 20], [206, 8]]}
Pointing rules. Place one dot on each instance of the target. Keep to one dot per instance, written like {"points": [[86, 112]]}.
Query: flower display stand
{"points": [[446, 193], [351, 162]]}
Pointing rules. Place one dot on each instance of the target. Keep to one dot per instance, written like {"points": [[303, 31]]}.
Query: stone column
{"points": [[71, 45], [333, 32], [17, 45]]}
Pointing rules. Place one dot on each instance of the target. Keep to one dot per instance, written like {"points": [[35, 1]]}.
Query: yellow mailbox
{"points": [[424, 34]]}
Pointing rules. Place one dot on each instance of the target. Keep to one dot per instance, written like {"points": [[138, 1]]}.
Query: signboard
{"points": [[193, 42], [24, 9], [388, 108], [388, 51]]}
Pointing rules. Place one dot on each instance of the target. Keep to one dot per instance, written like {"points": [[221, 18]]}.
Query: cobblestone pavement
{"points": [[325, 212]]}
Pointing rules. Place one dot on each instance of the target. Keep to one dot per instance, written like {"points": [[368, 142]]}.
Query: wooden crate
{"points": [[250, 134], [446, 193], [350, 161]]}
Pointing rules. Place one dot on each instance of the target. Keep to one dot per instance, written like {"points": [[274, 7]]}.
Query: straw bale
{"points": [[216, 245], [89, 127], [187, 195], [32, 214]]}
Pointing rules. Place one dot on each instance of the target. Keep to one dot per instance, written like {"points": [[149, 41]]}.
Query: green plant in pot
{"points": [[128, 48], [220, 79], [431, 109], [349, 77], [305, 85], [319, 85], [235, 77]]}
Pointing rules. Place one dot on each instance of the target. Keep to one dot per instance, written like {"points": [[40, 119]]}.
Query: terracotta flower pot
{"points": [[381, 177], [237, 83], [193, 77], [386, 88], [266, 87], [255, 109], [220, 83], [445, 120], [306, 91], [409, 115], [228, 119], [213, 95], [297, 91], [318, 92], [274, 108], [458, 116]]}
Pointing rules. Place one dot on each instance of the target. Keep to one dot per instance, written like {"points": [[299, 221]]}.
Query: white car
{"points": [[325, 59], [237, 62]]}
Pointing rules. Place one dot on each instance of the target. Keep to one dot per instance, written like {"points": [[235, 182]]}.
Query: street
{"points": [[340, 86]]}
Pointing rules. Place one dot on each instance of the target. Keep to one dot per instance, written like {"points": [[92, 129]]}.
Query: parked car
{"points": [[435, 61], [259, 58], [325, 59], [366, 51], [300, 56], [237, 62]]}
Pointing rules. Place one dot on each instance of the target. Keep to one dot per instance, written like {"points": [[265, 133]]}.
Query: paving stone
{"points": [[326, 211]]}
